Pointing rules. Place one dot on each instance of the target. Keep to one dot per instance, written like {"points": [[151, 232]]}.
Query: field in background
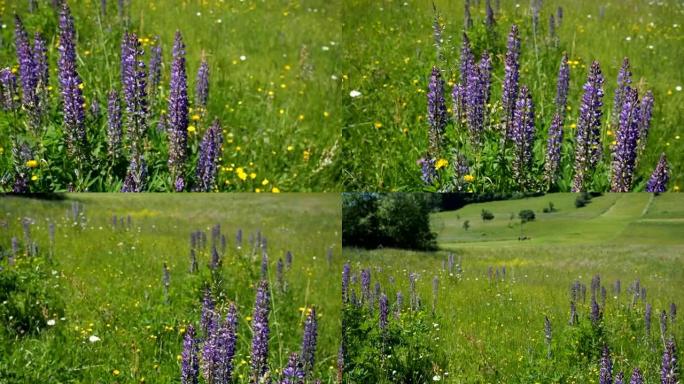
{"points": [[389, 50], [110, 279], [491, 323]]}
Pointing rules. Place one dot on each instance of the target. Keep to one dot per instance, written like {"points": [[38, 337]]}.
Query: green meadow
{"points": [[107, 281], [389, 50], [273, 85], [489, 321]]}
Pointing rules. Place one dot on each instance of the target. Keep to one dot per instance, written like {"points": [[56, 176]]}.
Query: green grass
{"points": [[279, 107], [110, 281], [389, 51], [493, 331]]}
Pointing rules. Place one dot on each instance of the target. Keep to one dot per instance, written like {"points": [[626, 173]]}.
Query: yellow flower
{"points": [[573, 125], [252, 175], [306, 155], [441, 163], [34, 177], [258, 190], [191, 128], [676, 188], [275, 190], [264, 182], [290, 148], [301, 117], [468, 178], [195, 117], [81, 86], [377, 125], [116, 372], [326, 114], [609, 133], [32, 163], [241, 173]]}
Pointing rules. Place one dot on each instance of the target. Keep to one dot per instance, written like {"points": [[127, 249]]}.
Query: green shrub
{"points": [[487, 215]]}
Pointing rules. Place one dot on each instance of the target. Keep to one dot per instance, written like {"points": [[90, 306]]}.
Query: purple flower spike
{"points": [[154, 66], [553, 150], [208, 316], [511, 78], [428, 171], [624, 80], [27, 69], [219, 350], [70, 83], [668, 372], [660, 176], [210, 153], [646, 111], [294, 372], [563, 85], [436, 111], [384, 311], [136, 176], [625, 151], [636, 378], [606, 368], [10, 93], [588, 137], [308, 353], [134, 80], [522, 135], [620, 378], [178, 112], [202, 84], [190, 362], [260, 329], [114, 130]]}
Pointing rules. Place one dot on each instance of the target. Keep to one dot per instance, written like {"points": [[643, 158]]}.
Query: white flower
{"points": [[334, 77], [93, 339], [650, 47], [243, 58], [51, 322], [199, 13], [436, 378], [354, 93], [678, 88], [219, 21], [325, 48], [628, 38]]}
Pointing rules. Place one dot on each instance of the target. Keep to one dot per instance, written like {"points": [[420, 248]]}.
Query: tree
{"points": [[487, 215]]}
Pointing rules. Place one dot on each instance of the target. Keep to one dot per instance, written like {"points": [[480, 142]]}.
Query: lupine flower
{"points": [[21, 153], [636, 378], [178, 113], [27, 69], [625, 151], [264, 265], [618, 287], [428, 170], [595, 314], [208, 161], [624, 80], [620, 378], [190, 362], [660, 176], [384, 311], [238, 238], [345, 282], [562, 86], [573, 314], [70, 82], [647, 318], [41, 67], [511, 76], [399, 304], [288, 259], [436, 111], [668, 372], [365, 286], [260, 329], [215, 259], [522, 135], [457, 95], [553, 150], [588, 139], [467, 62], [476, 93], [489, 21], [208, 316], [219, 350], [154, 66], [293, 373], [663, 324], [193, 261], [10, 93], [279, 274], [437, 33], [559, 15], [414, 295], [308, 352], [606, 368], [467, 19], [136, 176], [114, 130], [644, 118], [340, 364], [202, 84]]}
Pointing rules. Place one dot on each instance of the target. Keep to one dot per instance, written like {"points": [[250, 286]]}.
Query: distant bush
{"points": [[582, 200], [396, 220], [551, 208], [487, 215], [466, 225], [526, 215]]}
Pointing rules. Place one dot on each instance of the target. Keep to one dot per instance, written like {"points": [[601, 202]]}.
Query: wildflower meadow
{"points": [[169, 96], [511, 96]]}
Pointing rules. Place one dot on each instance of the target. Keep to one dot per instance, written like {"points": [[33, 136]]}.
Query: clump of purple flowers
{"points": [[202, 84], [308, 352], [660, 176], [625, 151], [190, 362], [8, 90], [436, 112], [260, 329], [522, 136], [588, 138], [210, 152], [114, 127], [606, 367], [178, 115], [669, 368], [511, 77]]}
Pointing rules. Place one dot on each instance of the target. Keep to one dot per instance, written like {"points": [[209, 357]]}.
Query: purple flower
{"points": [[489, 21], [345, 283], [437, 33], [208, 161], [620, 378], [288, 259], [414, 294], [384, 311], [219, 350], [264, 265], [625, 151], [636, 378], [428, 170], [9, 94], [365, 286], [114, 129], [208, 318], [70, 83], [436, 111], [588, 138], [467, 62], [340, 363], [606, 367], [573, 313], [308, 353], [595, 314], [644, 118], [294, 372], [467, 19], [457, 95], [663, 324], [511, 77], [559, 14], [563, 85], [399, 304], [133, 78], [190, 363], [553, 150], [27, 69], [647, 318], [260, 329], [41, 67], [202, 84], [624, 80], [178, 112], [476, 94], [668, 372], [522, 135], [135, 176], [660, 176], [154, 66]]}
